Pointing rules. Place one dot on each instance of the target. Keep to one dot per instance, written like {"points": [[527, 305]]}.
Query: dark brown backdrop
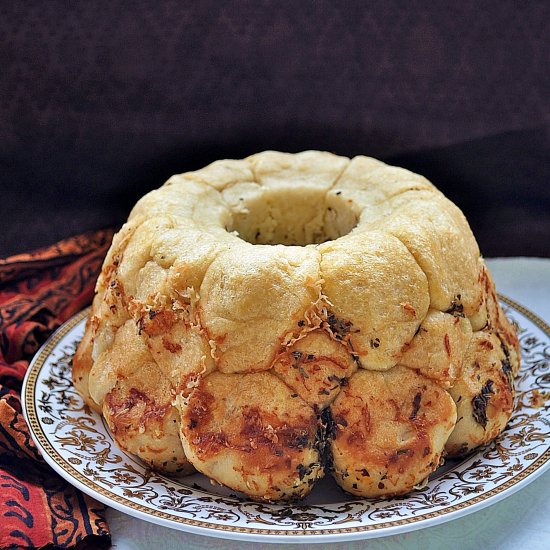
{"points": [[102, 101]]}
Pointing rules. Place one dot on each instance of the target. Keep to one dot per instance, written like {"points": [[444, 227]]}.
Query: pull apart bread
{"points": [[267, 320]]}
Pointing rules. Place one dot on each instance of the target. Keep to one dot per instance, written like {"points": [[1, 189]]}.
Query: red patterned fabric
{"points": [[38, 292]]}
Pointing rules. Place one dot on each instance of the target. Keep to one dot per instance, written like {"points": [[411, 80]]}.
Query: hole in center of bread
{"points": [[292, 215]]}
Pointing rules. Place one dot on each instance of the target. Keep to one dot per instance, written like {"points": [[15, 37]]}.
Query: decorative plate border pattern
{"points": [[76, 442]]}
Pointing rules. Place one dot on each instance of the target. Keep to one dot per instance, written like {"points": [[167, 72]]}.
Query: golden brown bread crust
{"points": [[254, 433], [315, 367], [389, 430], [259, 317], [483, 393], [374, 283]]}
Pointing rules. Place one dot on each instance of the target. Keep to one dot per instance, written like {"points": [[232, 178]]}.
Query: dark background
{"points": [[102, 101]]}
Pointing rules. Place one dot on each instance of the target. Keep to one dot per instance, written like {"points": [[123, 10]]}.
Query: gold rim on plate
{"points": [[286, 532]]}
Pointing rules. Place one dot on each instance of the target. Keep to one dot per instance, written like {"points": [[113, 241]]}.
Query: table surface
{"points": [[517, 522]]}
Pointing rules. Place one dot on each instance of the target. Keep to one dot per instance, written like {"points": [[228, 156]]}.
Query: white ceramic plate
{"points": [[78, 445]]}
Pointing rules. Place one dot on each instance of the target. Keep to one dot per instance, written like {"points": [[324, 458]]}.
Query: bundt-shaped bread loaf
{"points": [[269, 319]]}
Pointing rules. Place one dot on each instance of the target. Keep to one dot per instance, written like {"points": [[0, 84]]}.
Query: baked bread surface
{"points": [[267, 320]]}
